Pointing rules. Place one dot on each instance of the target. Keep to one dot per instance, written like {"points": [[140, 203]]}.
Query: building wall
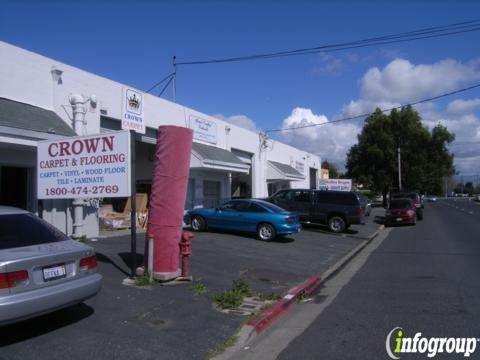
{"points": [[27, 77]]}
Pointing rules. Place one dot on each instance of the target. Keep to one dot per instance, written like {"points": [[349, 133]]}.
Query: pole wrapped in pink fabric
{"points": [[167, 199]]}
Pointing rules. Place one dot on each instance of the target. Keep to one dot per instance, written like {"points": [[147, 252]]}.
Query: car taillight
{"points": [[88, 263], [291, 219], [359, 211], [12, 279]]}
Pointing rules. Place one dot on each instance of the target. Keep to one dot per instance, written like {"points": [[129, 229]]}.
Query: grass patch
{"points": [[144, 280], [199, 289], [233, 298], [269, 296]]}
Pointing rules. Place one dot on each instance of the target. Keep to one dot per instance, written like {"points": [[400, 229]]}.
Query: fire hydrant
{"points": [[186, 252]]}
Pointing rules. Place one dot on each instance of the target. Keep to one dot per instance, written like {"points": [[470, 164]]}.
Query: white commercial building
{"points": [[36, 97]]}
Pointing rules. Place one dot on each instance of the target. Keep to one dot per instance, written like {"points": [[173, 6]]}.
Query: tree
{"points": [[333, 172], [425, 159]]}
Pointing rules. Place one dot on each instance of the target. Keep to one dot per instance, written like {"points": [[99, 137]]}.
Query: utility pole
{"points": [[399, 170], [174, 86]]}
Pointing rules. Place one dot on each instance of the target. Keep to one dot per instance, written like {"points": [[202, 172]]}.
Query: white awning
{"points": [[213, 158], [277, 171]]}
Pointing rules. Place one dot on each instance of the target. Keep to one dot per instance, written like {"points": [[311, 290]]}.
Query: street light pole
{"points": [[399, 170]]}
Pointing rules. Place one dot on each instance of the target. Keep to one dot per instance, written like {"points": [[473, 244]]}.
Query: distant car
{"points": [[336, 209], [431, 198], [259, 217], [377, 200], [401, 211], [41, 269], [415, 197]]}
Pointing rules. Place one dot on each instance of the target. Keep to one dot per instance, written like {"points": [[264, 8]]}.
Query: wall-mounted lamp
{"points": [[56, 75], [227, 129]]}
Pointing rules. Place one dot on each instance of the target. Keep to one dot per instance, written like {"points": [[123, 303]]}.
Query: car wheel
{"points": [[336, 224], [266, 232], [197, 223]]}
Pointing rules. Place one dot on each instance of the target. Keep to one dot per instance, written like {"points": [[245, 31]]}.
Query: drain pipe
{"points": [[79, 110]]}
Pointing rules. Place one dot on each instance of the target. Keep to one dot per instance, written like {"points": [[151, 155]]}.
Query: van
{"points": [[337, 209]]}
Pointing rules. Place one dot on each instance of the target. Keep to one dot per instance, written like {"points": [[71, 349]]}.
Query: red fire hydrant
{"points": [[186, 252]]}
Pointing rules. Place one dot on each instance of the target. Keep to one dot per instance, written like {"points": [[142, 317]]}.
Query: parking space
{"points": [[140, 323]]}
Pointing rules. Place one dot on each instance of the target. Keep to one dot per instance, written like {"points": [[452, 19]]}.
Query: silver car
{"points": [[41, 269]]}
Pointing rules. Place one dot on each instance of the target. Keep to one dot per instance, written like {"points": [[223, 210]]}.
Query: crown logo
{"points": [[133, 102]]}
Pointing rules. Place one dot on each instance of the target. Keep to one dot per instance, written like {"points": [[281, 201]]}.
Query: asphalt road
{"points": [[422, 278]]}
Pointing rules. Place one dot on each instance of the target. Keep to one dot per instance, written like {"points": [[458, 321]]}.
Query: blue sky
{"points": [[133, 42]]}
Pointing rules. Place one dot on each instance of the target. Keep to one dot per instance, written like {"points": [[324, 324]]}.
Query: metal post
{"points": [[133, 206], [399, 170], [174, 85]]}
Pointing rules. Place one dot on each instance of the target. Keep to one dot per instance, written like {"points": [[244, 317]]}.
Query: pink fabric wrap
{"points": [[167, 199]]}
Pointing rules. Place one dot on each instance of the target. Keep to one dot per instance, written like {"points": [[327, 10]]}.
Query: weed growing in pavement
{"points": [[199, 289], [143, 280], [229, 299], [220, 348], [242, 286], [269, 296]]}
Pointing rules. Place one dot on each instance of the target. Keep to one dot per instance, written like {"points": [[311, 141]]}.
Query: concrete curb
{"points": [[268, 316]]}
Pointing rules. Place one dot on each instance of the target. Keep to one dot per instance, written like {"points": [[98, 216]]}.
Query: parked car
{"points": [[262, 218], [366, 203], [41, 269], [415, 197], [401, 211], [337, 209]]}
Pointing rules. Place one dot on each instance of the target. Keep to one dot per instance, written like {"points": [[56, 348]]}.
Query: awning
{"points": [[211, 157], [279, 171], [35, 122]]}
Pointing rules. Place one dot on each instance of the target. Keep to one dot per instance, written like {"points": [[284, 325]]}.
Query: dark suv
{"points": [[415, 197], [337, 209]]}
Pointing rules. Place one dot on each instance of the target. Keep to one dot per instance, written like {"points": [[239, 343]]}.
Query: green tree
{"points": [[425, 159], [333, 172]]}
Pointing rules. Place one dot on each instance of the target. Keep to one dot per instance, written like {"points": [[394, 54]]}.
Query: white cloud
{"points": [[463, 106], [400, 82], [330, 141], [240, 120]]}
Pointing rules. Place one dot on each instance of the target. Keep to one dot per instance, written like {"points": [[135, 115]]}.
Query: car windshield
{"points": [[17, 230], [400, 204]]}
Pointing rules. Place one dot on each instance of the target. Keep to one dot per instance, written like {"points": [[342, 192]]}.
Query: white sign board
{"points": [[203, 129], [133, 110], [335, 184], [84, 167]]}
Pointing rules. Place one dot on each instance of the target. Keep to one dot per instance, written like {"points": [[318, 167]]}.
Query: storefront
{"points": [[38, 96]]}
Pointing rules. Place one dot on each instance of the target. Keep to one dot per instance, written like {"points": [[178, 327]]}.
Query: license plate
{"points": [[54, 272], [399, 219]]}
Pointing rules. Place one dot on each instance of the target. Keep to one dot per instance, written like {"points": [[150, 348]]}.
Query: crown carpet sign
{"points": [[133, 111]]}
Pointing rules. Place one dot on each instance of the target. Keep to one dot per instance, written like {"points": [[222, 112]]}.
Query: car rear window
{"points": [[400, 204], [272, 207], [18, 230]]}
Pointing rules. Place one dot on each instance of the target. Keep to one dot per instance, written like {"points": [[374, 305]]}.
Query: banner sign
{"points": [[335, 184], [133, 111], [94, 166], [203, 129]]}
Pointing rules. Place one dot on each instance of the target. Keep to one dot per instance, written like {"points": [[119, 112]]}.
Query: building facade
{"points": [[36, 97]]}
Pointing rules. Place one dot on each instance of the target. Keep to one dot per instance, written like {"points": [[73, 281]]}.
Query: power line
{"points": [[425, 33], [370, 113], [161, 81]]}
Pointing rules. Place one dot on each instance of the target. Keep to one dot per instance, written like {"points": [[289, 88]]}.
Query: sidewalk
{"points": [[172, 322]]}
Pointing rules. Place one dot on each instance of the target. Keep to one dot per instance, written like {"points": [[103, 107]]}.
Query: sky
{"points": [[133, 42]]}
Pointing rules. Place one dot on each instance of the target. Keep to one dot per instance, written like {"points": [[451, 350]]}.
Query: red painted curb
{"points": [[268, 316]]}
